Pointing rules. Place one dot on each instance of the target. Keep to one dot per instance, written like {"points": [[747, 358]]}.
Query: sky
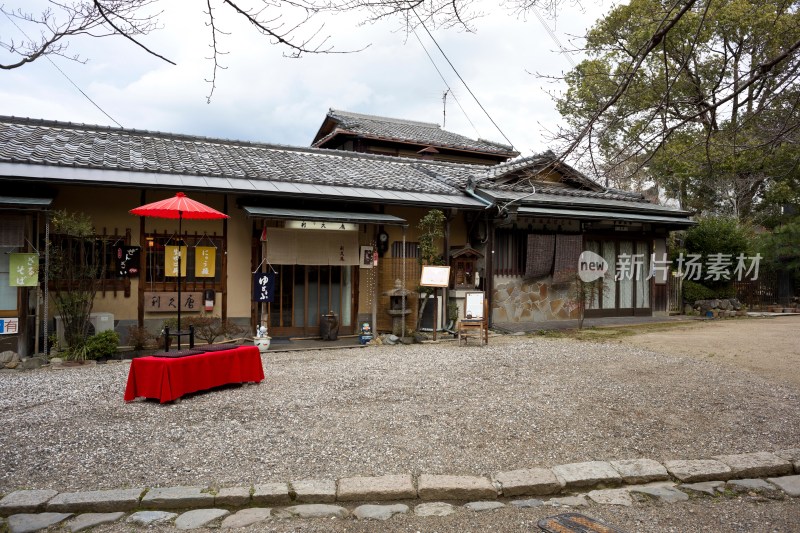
{"points": [[263, 96]]}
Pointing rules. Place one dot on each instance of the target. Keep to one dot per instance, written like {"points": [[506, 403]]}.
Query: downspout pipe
{"points": [[470, 190]]}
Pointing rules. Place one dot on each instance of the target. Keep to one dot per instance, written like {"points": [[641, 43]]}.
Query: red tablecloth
{"points": [[170, 378]]}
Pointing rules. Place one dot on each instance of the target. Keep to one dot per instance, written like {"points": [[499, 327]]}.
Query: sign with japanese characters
{"points": [[205, 261], [716, 267], [171, 255], [165, 302], [9, 326], [264, 286], [23, 270], [128, 260], [320, 224]]}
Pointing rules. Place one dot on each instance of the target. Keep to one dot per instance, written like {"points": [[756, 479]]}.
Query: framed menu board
{"points": [[473, 305], [435, 276]]}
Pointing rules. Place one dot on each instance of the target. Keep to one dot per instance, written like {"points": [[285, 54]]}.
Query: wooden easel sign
{"points": [[473, 305], [435, 276]]}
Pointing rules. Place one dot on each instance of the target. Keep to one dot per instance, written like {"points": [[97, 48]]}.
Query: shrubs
{"points": [[206, 328], [693, 291], [140, 338], [104, 344]]}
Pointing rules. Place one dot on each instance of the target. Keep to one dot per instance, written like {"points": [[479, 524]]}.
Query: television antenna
{"points": [[444, 108]]}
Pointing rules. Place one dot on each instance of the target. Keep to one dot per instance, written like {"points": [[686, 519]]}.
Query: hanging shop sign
{"points": [[165, 302], [292, 247], [9, 326], [320, 224], [24, 270], [205, 261], [264, 286], [128, 261], [171, 254]]}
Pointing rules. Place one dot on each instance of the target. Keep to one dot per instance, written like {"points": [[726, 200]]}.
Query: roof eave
{"points": [[230, 184]]}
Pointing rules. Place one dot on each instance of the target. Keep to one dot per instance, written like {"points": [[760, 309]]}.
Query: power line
{"points": [[462, 79], [553, 37], [445, 81], [64, 74]]}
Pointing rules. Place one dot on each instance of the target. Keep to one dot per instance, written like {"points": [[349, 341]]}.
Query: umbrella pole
{"points": [[180, 256]]}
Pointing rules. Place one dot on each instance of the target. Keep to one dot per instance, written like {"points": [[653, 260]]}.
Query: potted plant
{"points": [[262, 339]]}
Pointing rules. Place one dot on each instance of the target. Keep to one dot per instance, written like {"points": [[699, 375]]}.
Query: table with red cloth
{"points": [[168, 379]]}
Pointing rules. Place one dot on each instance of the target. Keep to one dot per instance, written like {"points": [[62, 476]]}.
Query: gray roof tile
{"points": [[64, 144], [155, 158], [411, 131]]}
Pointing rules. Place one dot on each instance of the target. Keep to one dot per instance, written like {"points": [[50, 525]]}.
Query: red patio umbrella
{"points": [[180, 206]]}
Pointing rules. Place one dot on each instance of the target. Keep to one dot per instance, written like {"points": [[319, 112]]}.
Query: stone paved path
{"points": [[597, 483]]}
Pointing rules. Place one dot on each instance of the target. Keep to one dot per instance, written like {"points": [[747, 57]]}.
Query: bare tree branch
{"points": [[125, 34]]}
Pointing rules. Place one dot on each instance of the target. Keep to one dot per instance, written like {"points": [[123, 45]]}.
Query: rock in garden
{"points": [[434, 509], [379, 512]]}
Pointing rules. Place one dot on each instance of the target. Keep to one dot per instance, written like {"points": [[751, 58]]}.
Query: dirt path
{"points": [[768, 346]]}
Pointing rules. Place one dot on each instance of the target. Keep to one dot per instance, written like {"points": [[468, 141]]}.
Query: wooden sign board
{"points": [[473, 305], [435, 276], [166, 302]]}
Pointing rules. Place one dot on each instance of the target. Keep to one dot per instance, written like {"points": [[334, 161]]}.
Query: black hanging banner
{"points": [[128, 260], [264, 286]]}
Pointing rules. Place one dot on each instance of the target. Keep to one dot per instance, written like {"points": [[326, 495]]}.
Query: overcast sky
{"points": [[263, 96]]}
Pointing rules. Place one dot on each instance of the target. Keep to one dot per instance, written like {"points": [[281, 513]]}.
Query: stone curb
{"points": [[664, 492], [586, 476]]}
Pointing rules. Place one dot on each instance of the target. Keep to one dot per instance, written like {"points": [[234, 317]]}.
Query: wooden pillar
{"points": [[489, 274], [224, 275], [142, 264]]}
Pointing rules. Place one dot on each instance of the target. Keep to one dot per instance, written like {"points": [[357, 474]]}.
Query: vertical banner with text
{"points": [[171, 254], [205, 261], [24, 270], [264, 286], [128, 261]]}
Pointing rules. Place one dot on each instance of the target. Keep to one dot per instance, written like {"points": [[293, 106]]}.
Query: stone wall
{"points": [[717, 307], [529, 300]]}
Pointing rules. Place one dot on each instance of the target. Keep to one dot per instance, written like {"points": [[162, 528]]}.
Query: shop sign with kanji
{"points": [[128, 261], [165, 302], [264, 286], [9, 326], [171, 255], [24, 270], [205, 261]]}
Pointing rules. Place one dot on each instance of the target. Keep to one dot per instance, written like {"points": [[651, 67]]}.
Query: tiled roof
{"points": [[146, 158], [62, 144], [409, 131]]}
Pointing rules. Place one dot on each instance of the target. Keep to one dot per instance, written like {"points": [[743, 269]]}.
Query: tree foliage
{"points": [[719, 235], [781, 247], [75, 275], [431, 228], [710, 109]]}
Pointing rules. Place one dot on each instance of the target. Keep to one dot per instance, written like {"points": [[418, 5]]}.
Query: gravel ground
{"points": [[518, 403]]}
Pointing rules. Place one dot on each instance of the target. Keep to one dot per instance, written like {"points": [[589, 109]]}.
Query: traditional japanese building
{"points": [[337, 227]]}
